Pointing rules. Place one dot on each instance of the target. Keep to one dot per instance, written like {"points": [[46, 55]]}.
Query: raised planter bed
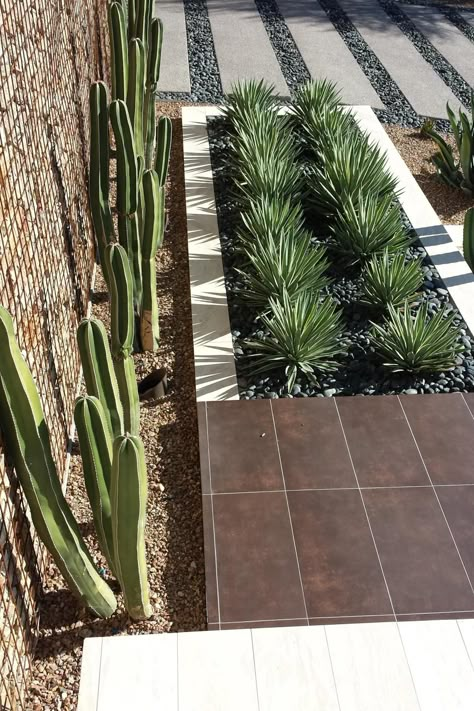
{"points": [[447, 277]]}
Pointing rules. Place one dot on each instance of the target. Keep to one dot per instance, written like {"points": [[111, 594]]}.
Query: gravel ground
{"points": [[443, 3], [450, 203], [361, 371], [174, 525]]}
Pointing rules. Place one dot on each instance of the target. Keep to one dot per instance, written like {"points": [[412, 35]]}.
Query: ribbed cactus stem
{"points": [[118, 50], [150, 127], [96, 451], [99, 373], [143, 19], [127, 167], [122, 328], [163, 147], [129, 238], [154, 54], [136, 91], [129, 497], [27, 442], [152, 238], [99, 168], [468, 237]]}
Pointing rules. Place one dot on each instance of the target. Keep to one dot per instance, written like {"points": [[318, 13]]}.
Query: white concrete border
{"points": [[213, 350]]}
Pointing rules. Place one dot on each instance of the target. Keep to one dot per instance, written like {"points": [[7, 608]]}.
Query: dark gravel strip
{"points": [[398, 110], [291, 62], [203, 68], [438, 6], [458, 20], [443, 68]]}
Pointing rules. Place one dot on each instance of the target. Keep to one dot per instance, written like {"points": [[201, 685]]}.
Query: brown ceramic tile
{"points": [[203, 448], [459, 615], [444, 431], [243, 448], [419, 558], [256, 561], [312, 446], [381, 444], [210, 561], [469, 398], [350, 620], [258, 624], [458, 505], [339, 566], [213, 627]]}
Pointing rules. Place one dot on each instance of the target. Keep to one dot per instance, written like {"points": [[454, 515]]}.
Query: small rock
{"points": [[411, 391], [330, 392]]}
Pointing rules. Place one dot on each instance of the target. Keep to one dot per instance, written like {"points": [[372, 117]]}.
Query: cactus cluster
{"points": [[141, 145]]}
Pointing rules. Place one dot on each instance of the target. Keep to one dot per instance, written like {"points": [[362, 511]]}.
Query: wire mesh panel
{"points": [[50, 51]]}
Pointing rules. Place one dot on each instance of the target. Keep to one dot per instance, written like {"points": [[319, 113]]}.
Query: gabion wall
{"points": [[50, 51]]}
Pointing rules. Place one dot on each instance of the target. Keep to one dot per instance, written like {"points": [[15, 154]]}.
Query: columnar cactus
{"points": [[27, 442], [118, 50], [99, 373], [128, 498], [136, 91], [122, 328], [163, 147], [96, 452], [152, 238]]}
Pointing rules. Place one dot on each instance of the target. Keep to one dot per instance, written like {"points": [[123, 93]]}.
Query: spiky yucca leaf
{"points": [[419, 343], [245, 98], [368, 225], [304, 336], [271, 216], [313, 98], [321, 127], [388, 280], [289, 265], [266, 135], [350, 168]]}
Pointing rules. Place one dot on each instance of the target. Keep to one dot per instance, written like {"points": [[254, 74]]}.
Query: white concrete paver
{"points": [[174, 70]]}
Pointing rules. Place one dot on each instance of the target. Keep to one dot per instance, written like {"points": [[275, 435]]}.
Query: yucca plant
{"points": [[304, 336], [268, 215], [457, 171], [289, 265], [245, 98], [350, 168], [321, 127], [268, 177], [368, 225], [312, 98], [389, 280], [417, 343]]}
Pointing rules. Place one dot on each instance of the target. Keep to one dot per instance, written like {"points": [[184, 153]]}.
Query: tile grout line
{"points": [[100, 670], [351, 617], [465, 402], [378, 555], [177, 671], [471, 659], [338, 488], [213, 522], [332, 666], [437, 497], [255, 669], [289, 513]]}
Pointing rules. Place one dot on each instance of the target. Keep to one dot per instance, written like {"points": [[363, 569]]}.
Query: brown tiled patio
{"points": [[328, 510]]}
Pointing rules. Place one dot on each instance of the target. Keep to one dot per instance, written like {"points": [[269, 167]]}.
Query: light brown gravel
{"points": [[174, 525], [449, 203]]}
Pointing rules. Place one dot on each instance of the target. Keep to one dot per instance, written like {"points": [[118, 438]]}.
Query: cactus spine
{"points": [[96, 452], [118, 50], [27, 440], [122, 327], [152, 238], [99, 373], [468, 237], [128, 498], [163, 147]]}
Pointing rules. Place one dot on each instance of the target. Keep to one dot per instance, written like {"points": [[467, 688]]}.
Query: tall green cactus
{"points": [[152, 238], [99, 168], [27, 441], [122, 328], [136, 91], [118, 50], [128, 498], [163, 147], [99, 373], [96, 452]]}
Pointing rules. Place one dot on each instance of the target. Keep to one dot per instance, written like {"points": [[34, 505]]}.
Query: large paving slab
{"points": [[174, 74], [423, 88], [415, 666], [325, 53], [453, 45], [242, 46]]}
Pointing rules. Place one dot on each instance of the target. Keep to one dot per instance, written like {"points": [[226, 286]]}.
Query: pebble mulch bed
{"points": [[174, 522], [360, 371]]}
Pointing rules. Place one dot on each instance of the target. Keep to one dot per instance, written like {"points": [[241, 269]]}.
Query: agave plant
{"points": [[419, 343], [390, 280], [304, 335], [313, 98], [247, 97], [321, 127], [269, 216], [368, 225], [457, 171], [268, 177], [350, 168], [288, 266]]}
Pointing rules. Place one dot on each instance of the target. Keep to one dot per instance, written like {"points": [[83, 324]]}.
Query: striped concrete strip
{"points": [[174, 75], [325, 53], [446, 37], [423, 88], [242, 46]]}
